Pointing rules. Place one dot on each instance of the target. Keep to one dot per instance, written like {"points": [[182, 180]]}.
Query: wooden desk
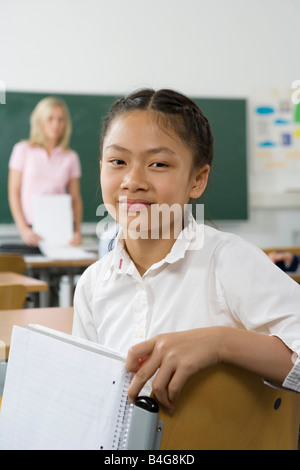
{"points": [[291, 249], [40, 262], [296, 277], [44, 267], [31, 284], [58, 318]]}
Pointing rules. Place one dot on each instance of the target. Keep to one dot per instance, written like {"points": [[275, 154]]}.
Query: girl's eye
{"points": [[159, 165], [117, 162]]}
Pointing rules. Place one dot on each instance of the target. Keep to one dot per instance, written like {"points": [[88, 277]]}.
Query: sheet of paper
{"points": [[58, 395], [53, 218], [64, 252]]}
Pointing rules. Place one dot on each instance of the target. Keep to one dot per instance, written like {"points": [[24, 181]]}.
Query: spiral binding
{"points": [[121, 433]]}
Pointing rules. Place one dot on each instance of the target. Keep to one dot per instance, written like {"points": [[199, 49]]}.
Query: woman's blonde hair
{"points": [[40, 114]]}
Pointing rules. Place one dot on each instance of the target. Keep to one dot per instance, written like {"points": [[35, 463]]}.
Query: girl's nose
{"points": [[135, 179]]}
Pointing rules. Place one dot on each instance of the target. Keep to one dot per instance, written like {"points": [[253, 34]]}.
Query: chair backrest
{"points": [[12, 296], [11, 262], [227, 408]]}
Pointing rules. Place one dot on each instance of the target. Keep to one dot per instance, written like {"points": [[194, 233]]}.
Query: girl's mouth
{"points": [[134, 204]]}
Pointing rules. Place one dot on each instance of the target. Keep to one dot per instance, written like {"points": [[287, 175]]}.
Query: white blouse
{"points": [[209, 278]]}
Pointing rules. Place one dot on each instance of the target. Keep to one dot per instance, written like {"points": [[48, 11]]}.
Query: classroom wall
{"points": [[220, 48]]}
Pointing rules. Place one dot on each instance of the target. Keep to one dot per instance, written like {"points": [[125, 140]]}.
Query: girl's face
{"points": [[143, 166], [55, 125]]}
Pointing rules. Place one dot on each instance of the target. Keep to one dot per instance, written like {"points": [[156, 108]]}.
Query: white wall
{"points": [[212, 48]]}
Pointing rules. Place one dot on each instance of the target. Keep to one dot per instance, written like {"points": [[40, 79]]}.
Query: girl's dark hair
{"points": [[173, 111]]}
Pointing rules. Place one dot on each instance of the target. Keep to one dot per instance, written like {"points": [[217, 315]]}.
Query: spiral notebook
{"points": [[63, 392]]}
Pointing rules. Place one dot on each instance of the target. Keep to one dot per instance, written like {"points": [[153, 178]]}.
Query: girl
{"points": [[44, 165], [176, 304]]}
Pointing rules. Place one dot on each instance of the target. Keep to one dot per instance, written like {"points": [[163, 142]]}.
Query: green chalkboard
{"points": [[226, 195]]}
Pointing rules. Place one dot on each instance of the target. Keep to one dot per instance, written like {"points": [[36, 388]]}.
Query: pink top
{"points": [[43, 173]]}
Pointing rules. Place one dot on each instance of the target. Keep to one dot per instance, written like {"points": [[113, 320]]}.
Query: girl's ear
{"points": [[199, 181]]}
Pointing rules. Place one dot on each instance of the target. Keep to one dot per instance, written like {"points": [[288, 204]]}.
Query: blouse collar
{"points": [[190, 238]]}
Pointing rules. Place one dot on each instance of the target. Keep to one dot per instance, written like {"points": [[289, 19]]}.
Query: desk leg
{"points": [[71, 285], [44, 296]]}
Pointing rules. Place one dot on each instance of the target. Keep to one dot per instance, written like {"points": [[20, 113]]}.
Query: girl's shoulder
{"points": [[229, 245], [218, 238]]}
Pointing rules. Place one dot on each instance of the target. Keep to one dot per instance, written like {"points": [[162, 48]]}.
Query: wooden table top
{"points": [[42, 262], [31, 284], [57, 318]]}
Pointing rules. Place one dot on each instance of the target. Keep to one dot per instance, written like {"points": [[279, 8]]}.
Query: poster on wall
{"points": [[275, 144]]}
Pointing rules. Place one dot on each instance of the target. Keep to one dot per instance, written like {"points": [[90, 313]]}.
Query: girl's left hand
{"points": [[77, 239], [174, 357]]}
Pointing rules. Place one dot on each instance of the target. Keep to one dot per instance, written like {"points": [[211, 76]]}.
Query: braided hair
{"points": [[174, 112]]}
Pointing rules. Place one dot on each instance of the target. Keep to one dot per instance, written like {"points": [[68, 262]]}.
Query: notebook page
{"points": [[59, 396], [76, 341]]}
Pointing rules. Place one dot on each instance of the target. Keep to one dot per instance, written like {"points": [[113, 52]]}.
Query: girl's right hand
{"points": [[30, 237], [172, 358]]}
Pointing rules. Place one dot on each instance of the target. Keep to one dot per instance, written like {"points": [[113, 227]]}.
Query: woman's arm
{"points": [[174, 357], [74, 191], [14, 199]]}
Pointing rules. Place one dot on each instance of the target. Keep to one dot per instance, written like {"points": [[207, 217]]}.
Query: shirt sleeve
{"points": [[18, 156], [262, 298], [76, 166]]}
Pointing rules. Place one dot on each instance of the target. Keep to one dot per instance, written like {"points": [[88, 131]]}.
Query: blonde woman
{"points": [[44, 164]]}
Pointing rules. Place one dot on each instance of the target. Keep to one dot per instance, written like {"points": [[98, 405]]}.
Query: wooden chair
{"points": [[227, 408], [11, 262], [12, 296]]}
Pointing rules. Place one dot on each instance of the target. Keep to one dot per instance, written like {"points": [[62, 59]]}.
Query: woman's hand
{"points": [[174, 357], [30, 237], [77, 239]]}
